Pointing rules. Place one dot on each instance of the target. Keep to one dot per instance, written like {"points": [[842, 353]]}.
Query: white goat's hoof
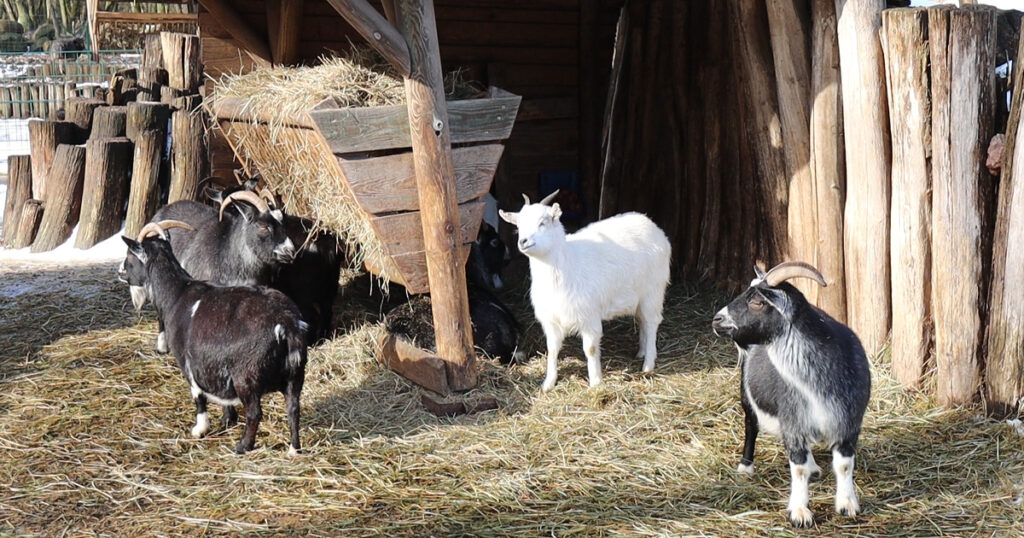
{"points": [[847, 506], [595, 382], [801, 517], [548, 385], [648, 369], [292, 451], [744, 469]]}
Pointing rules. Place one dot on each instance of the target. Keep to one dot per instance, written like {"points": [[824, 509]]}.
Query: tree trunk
{"points": [[789, 38], [152, 54], [146, 116], [44, 137], [168, 94], [435, 183], [79, 110], [108, 165], [1004, 366], [866, 226], [189, 155], [28, 223], [828, 168], [109, 121], [150, 82], [181, 55], [64, 202], [905, 41], [19, 189], [963, 92], [145, 188]]}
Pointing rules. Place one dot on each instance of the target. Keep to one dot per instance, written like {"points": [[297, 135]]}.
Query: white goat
{"points": [[614, 267]]}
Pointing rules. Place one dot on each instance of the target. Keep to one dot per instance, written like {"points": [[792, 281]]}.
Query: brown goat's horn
{"points": [[787, 270], [245, 196], [160, 228], [549, 198]]}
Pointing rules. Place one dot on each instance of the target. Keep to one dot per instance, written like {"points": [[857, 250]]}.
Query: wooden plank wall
{"points": [[528, 47]]}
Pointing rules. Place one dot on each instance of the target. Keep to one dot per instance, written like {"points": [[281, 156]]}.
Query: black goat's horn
{"points": [[787, 270], [268, 196], [549, 198], [160, 228], [245, 196]]}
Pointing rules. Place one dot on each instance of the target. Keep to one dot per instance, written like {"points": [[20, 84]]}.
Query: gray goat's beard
{"points": [[138, 296]]}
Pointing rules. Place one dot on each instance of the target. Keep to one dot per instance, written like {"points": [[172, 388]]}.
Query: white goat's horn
{"points": [[548, 199], [245, 196], [160, 228], [526, 199], [787, 270]]}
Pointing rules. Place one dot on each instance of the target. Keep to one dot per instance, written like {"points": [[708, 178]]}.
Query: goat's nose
{"points": [[718, 319], [522, 243]]}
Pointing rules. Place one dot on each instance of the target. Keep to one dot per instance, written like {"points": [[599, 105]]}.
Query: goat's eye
{"points": [[494, 242], [756, 304], [263, 229]]}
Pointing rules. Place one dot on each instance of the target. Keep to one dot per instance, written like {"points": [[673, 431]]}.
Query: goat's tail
{"points": [[297, 346]]}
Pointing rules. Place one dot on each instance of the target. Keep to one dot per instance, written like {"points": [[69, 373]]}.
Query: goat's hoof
{"points": [[847, 506], [292, 451], [745, 469], [242, 448], [595, 383], [198, 433], [801, 517], [548, 385]]}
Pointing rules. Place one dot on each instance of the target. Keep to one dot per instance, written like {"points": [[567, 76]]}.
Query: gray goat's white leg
{"points": [[846, 496], [592, 349], [799, 496], [554, 339]]}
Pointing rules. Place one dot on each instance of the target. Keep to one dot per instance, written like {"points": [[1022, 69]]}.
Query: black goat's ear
{"points": [[213, 194], [247, 211], [759, 272], [777, 299], [135, 248]]}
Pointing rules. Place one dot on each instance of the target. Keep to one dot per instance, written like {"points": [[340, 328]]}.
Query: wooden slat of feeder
{"points": [[412, 269], [388, 183], [349, 130], [424, 369], [402, 233]]}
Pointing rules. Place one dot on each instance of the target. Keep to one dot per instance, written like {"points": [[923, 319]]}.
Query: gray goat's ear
{"points": [[135, 248], [759, 272], [511, 218], [777, 299], [247, 211], [213, 194]]}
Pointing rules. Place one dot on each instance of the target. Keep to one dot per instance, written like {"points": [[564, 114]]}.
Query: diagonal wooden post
{"points": [[435, 183]]}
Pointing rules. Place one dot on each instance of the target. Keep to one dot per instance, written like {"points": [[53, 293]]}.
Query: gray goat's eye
{"points": [[756, 304]]}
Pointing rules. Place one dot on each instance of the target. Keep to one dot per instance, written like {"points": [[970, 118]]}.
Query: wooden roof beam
{"points": [[240, 31], [377, 31], [284, 24]]}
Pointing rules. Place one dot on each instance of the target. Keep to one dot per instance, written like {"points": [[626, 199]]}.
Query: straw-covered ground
{"points": [[94, 439]]}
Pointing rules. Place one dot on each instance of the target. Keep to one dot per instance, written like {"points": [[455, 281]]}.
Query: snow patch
{"points": [[110, 249], [1017, 425]]}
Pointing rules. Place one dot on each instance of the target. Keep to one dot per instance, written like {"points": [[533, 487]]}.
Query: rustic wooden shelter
{"points": [[752, 132]]}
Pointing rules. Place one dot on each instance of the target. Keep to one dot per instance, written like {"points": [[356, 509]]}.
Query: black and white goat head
{"points": [[805, 377], [233, 343]]}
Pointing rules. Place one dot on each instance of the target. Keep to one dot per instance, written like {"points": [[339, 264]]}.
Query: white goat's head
{"points": [[538, 224]]}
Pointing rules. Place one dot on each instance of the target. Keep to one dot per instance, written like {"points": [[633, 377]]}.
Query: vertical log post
{"points": [[144, 116], [108, 164], [79, 110], [109, 121], [150, 81], [963, 92], [1004, 365], [44, 136], [189, 154], [152, 53], [182, 60], [435, 183], [828, 168], [19, 189], [866, 226], [789, 28], [64, 201], [28, 223], [144, 196], [905, 43]]}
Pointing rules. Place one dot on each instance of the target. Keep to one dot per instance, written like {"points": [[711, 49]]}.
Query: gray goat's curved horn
{"points": [[245, 196], [268, 196], [549, 198], [160, 228], [787, 270], [526, 199]]}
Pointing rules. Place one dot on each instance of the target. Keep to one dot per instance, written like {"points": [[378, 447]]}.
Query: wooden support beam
{"points": [[378, 32], [435, 182], [284, 24], [240, 31]]}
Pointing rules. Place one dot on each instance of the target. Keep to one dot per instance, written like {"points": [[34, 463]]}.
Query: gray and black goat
{"points": [[311, 279], [233, 343], [805, 378]]}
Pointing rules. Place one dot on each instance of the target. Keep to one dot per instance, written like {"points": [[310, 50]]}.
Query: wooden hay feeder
{"points": [[368, 151]]}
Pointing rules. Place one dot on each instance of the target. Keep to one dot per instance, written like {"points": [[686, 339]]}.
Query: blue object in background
{"points": [[570, 196]]}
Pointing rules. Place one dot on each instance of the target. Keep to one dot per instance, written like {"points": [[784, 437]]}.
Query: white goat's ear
{"points": [[556, 211], [511, 218]]}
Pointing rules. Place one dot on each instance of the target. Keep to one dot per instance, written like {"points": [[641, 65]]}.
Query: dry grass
{"points": [[94, 439]]}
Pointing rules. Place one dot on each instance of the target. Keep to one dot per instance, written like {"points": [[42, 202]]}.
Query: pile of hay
{"points": [[94, 437], [289, 158]]}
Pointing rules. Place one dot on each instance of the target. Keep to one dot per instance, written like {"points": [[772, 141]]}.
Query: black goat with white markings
{"points": [[233, 343], [805, 377]]}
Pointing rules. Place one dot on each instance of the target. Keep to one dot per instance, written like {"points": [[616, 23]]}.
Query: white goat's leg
{"points": [[554, 339], [846, 496], [651, 316], [800, 470], [592, 349], [641, 332]]}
